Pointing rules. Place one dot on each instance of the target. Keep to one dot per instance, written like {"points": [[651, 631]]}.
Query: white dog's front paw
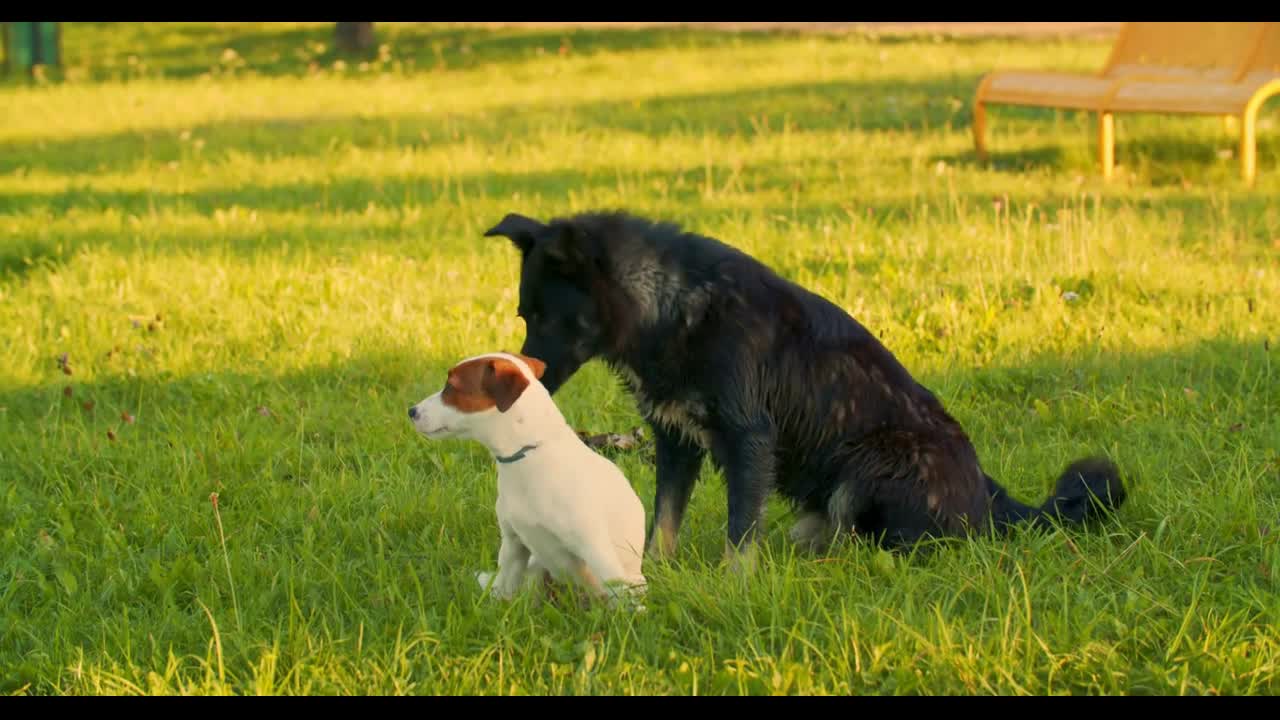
{"points": [[627, 594], [495, 585]]}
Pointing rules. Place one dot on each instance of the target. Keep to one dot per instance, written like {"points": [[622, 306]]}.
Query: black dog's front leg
{"points": [[747, 455], [678, 464]]}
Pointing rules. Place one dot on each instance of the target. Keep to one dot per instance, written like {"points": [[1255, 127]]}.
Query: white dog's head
{"points": [[477, 397]]}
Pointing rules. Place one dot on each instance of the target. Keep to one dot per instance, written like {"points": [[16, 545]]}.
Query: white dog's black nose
{"points": [[413, 413]]}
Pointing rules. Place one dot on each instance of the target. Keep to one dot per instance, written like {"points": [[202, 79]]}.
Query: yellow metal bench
{"points": [[1213, 68]]}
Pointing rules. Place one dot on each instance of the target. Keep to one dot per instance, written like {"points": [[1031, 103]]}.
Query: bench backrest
{"points": [[1266, 61], [1213, 51]]}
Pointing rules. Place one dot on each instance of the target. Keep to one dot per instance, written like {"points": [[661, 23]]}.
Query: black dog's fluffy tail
{"points": [[1088, 490]]}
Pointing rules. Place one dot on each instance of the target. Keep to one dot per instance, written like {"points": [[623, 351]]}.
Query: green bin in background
{"points": [[27, 44]]}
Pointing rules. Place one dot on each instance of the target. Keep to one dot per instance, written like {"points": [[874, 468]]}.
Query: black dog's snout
{"points": [[413, 413]]}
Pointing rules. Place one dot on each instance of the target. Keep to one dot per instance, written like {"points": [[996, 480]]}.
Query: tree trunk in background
{"points": [[353, 37]]}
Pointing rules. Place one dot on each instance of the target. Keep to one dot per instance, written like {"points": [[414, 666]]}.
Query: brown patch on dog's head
{"points": [[477, 385]]}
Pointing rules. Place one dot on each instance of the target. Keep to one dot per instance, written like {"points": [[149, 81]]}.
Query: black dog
{"points": [[785, 390]]}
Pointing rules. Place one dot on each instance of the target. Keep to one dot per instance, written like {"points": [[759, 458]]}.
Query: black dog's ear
{"points": [[520, 229], [570, 249]]}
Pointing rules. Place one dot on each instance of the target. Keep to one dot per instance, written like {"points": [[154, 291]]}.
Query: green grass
{"points": [[263, 261]]}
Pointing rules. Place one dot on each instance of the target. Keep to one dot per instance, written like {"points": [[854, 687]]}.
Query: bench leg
{"points": [[980, 130], [1107, 143], [1248, 145]]}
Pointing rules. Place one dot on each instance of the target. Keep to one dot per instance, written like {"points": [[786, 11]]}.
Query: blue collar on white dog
{"points": [[519, 455]]}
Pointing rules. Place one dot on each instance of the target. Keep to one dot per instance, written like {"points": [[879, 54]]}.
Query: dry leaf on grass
{"points": [[613, 441]]}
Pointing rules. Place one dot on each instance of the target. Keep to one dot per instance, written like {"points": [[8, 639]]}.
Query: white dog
{"points": [[565, 512]]}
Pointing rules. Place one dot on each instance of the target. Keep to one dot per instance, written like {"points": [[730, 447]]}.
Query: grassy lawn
{"points": [[255, 257]]}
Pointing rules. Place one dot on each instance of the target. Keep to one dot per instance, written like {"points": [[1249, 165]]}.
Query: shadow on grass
{"points": [[1168, 160], [354, 411], [23, 257], [821, 106], [186, 50], [335, 436], [320, 236], [938, 104], [183, 50], [1165, 153]]}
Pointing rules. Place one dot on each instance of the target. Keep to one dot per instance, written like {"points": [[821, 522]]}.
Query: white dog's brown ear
{"points": [[504, 382], [537, 366], [519, 229]]}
